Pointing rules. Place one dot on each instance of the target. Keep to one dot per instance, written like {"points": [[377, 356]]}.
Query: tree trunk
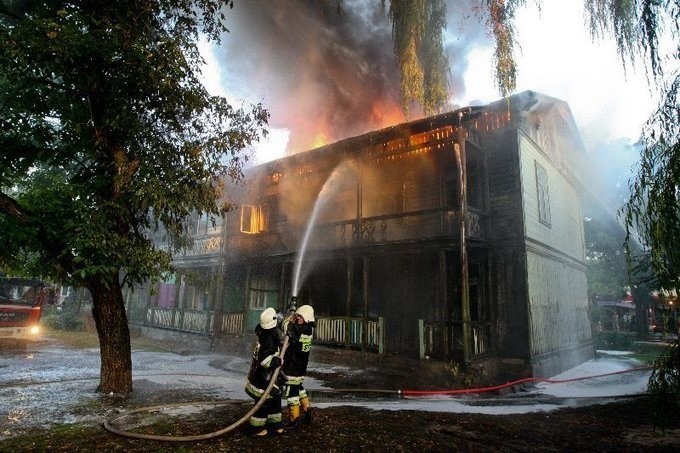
{"points": [[108, 310]]}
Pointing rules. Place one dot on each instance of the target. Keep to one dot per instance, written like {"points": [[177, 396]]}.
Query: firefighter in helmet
{"points": [[267, 419], [299, 327]]}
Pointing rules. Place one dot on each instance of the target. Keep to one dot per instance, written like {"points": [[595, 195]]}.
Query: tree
{"points": [[107, 134], [653, 212], [417, 31]]}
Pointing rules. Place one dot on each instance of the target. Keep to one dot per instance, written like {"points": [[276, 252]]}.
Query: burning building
{"points": [[456, 237]]}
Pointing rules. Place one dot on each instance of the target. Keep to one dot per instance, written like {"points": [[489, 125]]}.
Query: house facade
{"points": [[454, 237]]}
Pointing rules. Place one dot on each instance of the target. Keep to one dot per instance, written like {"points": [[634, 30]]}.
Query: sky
{"points": [[326, 76]]}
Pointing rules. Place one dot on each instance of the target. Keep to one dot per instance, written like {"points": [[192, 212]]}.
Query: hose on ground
{"points": [[514, 383], [108, 423]]}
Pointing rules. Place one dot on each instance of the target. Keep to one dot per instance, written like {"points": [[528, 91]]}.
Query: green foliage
{"points": [[653, 213], [109, 137], [417, 30], [107, 134], [664, 384], [614, 341], [69, 317], [605, 255], [501, 15]]}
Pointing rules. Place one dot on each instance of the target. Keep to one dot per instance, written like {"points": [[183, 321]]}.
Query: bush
{"points": [[664, 384], [616, 341], [66, 317]]}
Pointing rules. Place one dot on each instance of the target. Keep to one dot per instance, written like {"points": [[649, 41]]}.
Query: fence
{"points": [[433, 334], [344, 331], [197, 321], [349, 332]]}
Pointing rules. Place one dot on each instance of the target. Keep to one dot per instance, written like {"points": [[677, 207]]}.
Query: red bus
{"points": [[21, 302]]}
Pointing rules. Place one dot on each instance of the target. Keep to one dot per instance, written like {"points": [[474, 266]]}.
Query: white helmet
{"points": [[307, 312], [268, 319]]}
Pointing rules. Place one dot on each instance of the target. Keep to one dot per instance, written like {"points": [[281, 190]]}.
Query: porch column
{"points": [[364, 322], [348, 302], [459, 151], [442, 312]]}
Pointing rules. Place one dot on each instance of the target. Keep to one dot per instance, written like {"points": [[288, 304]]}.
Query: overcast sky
{"points": [[557, 57]]}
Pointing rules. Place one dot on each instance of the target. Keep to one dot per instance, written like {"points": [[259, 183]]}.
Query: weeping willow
{"points": [[501, 15], [652, 214], [418, 33]]}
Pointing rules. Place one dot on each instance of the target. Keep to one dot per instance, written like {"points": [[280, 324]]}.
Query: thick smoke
{"points": [[324, 71]]}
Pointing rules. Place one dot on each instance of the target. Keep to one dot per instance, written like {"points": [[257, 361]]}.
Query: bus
{"points": [[21, 304]]}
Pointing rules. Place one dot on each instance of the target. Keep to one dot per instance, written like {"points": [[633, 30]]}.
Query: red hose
{"points": [[510, 384]]}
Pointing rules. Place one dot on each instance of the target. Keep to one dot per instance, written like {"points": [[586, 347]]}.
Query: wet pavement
{"points": [[51, 384]]}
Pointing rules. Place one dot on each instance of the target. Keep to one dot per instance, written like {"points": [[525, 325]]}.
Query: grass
{"points": [[85, 339], [648, 352]]}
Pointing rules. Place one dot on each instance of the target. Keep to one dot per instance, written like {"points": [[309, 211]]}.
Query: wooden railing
{"points": [[342, 330], [433, 334], [481, 333], [186, 320], [349, 332]]}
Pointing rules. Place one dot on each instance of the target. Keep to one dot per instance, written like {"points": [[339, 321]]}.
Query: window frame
{"points": [[543, 195]]}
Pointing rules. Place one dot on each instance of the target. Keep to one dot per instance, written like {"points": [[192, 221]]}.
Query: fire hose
{"points": [[514, 383], [108, 423], [399, 393]]}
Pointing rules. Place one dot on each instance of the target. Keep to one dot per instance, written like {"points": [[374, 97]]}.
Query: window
{"points": [[258, 299], [252, 219], [543, 195]]}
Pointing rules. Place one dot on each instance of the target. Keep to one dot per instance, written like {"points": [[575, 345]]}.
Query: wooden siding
{"points": [[558, 309], [565, 233], [558, 303], [505, 201]]}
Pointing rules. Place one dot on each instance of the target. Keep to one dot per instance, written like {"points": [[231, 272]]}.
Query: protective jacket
{"points": [[261, 367], [299, 345]]}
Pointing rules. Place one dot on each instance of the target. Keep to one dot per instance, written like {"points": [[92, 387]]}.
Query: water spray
{"points": [[320, 200]]}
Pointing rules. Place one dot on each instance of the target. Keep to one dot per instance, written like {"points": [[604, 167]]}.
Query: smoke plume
{"points": [[325, 70]]}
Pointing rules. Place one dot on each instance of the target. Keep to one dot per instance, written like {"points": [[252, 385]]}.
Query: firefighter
{"points": [[267, 419], [299, 327]]}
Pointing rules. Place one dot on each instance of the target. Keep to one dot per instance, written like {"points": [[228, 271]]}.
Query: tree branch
{"points": [[11, 208]]}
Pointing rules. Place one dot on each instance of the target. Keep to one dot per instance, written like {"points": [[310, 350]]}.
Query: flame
{"points": [[321, 139], [384, 114]]}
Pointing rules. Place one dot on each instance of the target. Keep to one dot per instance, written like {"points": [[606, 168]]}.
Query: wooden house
{"points": [[454, 237]]}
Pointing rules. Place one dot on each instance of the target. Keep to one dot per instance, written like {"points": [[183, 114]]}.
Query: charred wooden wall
{"points": [[508, 271]]}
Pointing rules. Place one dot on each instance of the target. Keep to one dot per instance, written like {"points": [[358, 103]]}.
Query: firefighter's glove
{"points": [[275, 362]]}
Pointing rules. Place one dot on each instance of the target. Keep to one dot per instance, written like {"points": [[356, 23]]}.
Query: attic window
{"points": [[543, 195]]}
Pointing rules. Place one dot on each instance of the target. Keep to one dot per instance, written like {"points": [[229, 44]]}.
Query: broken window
{"points": [[543, 195]]}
